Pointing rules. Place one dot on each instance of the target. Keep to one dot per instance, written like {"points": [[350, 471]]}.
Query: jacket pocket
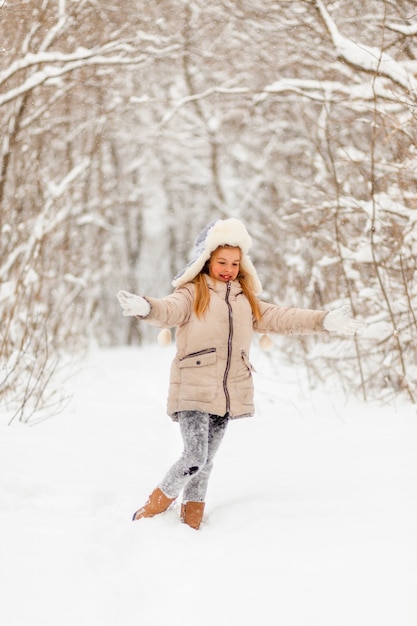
{"points": [[246, 361], [199, 359], [198, 376]]}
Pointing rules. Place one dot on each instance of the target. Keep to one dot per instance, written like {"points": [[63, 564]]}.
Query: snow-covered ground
{"points": [[311, 511]]}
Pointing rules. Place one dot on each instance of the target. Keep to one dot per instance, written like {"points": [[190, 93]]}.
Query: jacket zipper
{"points": [[229, 349]]}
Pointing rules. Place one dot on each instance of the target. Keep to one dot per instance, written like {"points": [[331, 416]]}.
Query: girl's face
{"points": [[225, 264]]}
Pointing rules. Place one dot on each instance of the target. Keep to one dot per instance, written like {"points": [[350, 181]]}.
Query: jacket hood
{"points": [[230, 232]]}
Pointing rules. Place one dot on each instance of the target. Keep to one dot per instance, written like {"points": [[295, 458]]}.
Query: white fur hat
{"points": [[230, 232]]}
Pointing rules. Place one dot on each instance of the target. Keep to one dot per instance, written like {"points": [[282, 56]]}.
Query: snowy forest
{"points": [[127, 126]]}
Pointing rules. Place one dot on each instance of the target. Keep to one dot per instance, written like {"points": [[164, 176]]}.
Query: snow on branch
{"points": [[81, 54], [199, 96], [54, 31], [57, 190], [318, 90], [57, 64], [409, 30], [51, 72], [34, 59], [367, 58], [44, 222], [325, 90]]}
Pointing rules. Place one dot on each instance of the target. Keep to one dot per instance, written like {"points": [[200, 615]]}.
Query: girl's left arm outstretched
{"points": [[293, 321]]}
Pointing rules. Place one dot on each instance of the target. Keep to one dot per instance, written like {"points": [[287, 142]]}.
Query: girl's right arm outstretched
{"points": [[161, 312]]}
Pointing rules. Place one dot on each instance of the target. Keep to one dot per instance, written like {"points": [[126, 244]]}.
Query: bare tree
{"points": [[58, 182], [127, 128]]}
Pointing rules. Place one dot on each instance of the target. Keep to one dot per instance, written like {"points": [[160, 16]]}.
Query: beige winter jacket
{"points": [[211, 371]]}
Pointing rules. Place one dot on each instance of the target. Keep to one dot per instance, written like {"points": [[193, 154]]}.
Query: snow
{"points": [[365, 57], [311, 511], [405, 29]]}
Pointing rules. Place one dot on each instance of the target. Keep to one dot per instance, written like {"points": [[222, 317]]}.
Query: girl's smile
{"points": [[225, 264]]}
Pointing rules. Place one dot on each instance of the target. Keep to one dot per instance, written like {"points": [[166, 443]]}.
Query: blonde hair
{"points": [[202, 292]]}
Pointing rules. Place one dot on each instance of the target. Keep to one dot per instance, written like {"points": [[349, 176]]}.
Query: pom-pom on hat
{"points": [[230, 232]]}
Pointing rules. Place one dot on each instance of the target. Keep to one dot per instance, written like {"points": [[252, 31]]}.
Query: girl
{"points": [[215, 310]]}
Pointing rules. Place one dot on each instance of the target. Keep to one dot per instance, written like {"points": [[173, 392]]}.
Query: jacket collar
{"points": [[220, 287]]}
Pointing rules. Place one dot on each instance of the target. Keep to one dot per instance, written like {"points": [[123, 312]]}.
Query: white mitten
{"points": [[133, 305], [341, 321]]}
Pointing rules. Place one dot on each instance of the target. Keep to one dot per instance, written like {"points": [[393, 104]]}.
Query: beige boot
{"points": [[192, 513], [157, 502]]}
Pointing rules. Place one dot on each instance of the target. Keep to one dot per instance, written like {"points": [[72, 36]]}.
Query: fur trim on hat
{"points": [[230, 232]]}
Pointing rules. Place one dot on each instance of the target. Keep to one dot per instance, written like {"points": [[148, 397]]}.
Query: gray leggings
{"points": [[202, 434]]}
